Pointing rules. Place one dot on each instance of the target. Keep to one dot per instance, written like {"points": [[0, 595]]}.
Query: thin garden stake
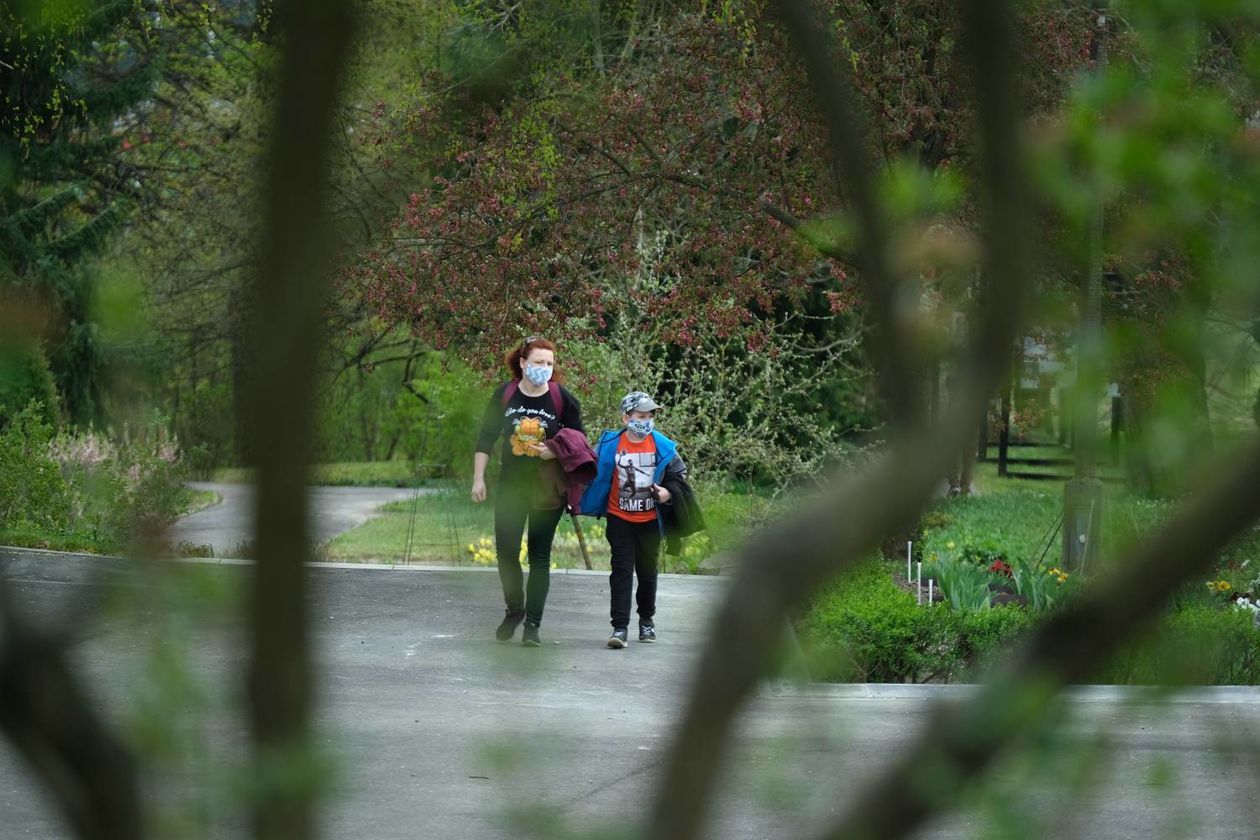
{"points": [[931, 591], [1054, 532], [918, 589], [577, 528], [1089, 536], [415, 498], [411, 522]]}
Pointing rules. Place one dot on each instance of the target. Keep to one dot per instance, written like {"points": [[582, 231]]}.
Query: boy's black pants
{"points": [[635, 547]]}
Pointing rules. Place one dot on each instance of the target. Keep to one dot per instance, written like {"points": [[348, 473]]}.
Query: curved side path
{"points": [[228, 524], [438, 731]]}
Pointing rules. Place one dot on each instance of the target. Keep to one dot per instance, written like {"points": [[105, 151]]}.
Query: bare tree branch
{"points": [[833, 86], [776, 212]]}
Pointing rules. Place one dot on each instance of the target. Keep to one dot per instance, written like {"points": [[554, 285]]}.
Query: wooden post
{"points": [[934, 398], [1117, 426], [1083, 495], [1063, 415], [1004, 435], [982, 443]]}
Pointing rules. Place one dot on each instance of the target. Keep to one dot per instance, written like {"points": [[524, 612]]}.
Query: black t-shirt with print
{"points": [[522, 421]]}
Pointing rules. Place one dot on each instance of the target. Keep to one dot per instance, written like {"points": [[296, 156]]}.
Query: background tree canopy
{"points": [[649, 183], [312, 234]]}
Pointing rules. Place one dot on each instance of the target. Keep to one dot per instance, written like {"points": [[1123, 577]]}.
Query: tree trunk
{"points": [[1138, 469], [1004, 434]]}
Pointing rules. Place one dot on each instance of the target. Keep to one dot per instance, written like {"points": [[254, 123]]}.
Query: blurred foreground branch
{"points": [[960, 741], [294, 277], [47, 715], [781, 566]]}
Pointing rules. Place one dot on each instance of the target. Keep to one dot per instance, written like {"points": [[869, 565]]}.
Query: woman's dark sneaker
{"points": [[647, 632], [529, 636], [618, 639], [511, 621]]}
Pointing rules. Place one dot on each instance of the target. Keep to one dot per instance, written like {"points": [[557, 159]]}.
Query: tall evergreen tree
{"points": [[71, 77]]}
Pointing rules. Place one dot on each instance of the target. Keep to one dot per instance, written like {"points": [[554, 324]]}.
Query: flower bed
{"points": [[991, 564], [85, 490]]}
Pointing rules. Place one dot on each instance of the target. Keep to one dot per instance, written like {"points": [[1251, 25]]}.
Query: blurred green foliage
{"points": [[25, 377]]}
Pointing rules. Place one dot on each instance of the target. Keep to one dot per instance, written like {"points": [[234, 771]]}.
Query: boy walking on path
{"points": [[635, 467]]}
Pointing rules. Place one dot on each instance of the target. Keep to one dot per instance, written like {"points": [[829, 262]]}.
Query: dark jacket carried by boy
{"points": [[681, 517]]}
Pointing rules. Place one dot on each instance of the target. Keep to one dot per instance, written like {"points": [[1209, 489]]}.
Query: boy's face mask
{"points": [[538, 374], [642, 428]]}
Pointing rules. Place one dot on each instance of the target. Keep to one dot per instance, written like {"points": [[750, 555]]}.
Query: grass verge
{"points": [[347, 474], [449, 529]]}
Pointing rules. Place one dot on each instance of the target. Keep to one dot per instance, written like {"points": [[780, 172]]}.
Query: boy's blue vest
{"points": [[595, 497]]}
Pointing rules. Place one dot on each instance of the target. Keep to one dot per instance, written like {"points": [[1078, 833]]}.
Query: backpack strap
{"points": [[509, 391], [557, 401]]}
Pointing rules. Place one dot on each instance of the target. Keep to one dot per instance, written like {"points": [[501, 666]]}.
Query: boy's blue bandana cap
{"points": [[637, 401]]}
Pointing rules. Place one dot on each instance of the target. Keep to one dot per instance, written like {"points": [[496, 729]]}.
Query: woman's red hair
{"points": [[522, 351]]}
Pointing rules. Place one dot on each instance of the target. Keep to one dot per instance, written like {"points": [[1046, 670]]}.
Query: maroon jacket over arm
{"points": [[574, 466]]}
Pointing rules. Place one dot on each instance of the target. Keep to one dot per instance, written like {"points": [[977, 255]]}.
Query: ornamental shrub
{"points": [[865, 629], [1194, 645], [86, 490], [32, 490], [25, 378]]}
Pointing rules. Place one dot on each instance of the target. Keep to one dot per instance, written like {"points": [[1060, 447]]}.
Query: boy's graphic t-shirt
{"points": [[631, 494]]}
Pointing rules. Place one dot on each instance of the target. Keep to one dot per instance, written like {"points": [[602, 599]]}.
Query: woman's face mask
{"points": [[538, 374], [642, 428]]}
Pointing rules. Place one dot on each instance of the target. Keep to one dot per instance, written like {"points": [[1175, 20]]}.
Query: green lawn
{"points": [[445, 525], [201, 499], [85, 539], [348, 474], [448, 529], [869, 627], [1021, 518]]}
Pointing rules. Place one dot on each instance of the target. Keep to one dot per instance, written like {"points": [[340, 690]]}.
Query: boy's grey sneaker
{"points": [[647, 632], [529, 636], [507, 629], [618, 638]]}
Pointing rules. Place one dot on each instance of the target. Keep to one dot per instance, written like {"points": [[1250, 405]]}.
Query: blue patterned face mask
{"points": [[538, 374], [642, 428]]}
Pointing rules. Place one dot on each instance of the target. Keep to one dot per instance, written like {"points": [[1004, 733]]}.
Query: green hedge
{"points": [[32, 490], [25, 377], [1195, 645], [865, 629]]}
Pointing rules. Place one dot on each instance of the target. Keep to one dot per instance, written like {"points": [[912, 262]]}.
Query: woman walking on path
{"points": [[525, 411]]}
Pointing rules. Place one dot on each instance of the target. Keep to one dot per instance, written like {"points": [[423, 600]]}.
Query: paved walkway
{"points": [[229, 524], [440, 732]]}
